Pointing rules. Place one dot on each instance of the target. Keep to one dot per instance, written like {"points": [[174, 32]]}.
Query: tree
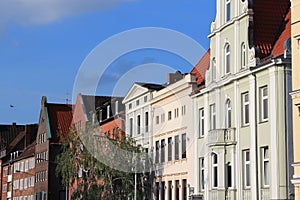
{"points": [[89, 178]]}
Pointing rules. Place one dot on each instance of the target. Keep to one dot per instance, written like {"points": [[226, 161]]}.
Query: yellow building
{"points": [[296, 93]]}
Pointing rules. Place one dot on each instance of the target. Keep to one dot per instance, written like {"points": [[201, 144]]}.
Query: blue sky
{"points": [[42, 45]]}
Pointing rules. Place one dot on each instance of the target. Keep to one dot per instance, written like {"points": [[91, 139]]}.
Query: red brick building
{"points": [[54, 123]]}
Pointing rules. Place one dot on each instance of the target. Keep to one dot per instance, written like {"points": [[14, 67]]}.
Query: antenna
{"points": [[67, 97]]}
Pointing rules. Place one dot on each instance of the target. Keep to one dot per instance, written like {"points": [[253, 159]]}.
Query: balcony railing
{"points": [[213, 195], [246, 194], [265, 194], [221, 137]]}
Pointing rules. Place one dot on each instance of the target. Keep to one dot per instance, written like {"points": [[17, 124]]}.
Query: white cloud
{"points": [[29, 12]]}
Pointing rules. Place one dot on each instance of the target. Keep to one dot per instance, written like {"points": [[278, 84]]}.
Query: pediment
{"points": [[135, 91]]}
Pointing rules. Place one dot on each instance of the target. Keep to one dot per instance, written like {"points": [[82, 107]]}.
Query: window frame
{"points": [[227, 56], [214, 171], [228, 114], [264, 160], [213, 119], [227, 10], [245, 106], [201, 122], [183, 146], [243, 55], [264, 116], [201, 174], [170, 141], [245, 164]]}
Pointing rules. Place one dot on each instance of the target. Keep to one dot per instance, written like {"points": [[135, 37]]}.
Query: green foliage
{"points": [[98, 181]]}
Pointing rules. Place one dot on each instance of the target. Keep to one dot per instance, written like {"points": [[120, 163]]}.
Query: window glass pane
{"points": [[183, 148], [169, 149], [176, 147], [162, 159], [248, 175]]}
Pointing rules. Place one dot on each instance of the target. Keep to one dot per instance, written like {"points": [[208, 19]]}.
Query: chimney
{"points": [[174, 77]]}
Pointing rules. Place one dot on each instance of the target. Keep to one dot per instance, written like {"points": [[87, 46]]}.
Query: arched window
{"points": [[227, 58], [243, 55], [227, 10], [214, 162], [213, 69], [228, 114]]}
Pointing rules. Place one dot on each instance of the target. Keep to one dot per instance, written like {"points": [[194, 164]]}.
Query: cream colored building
{"points": [[295, 7], [173, 139], [243, 112]]}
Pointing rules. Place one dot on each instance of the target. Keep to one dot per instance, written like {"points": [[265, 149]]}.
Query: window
{"points": [[162, 149], [146, 122], [131, 126], [169, 148], [245, 109], [246, 168], [137, 102], [157, 151], [201, 122], [80, 172], [21, 184], [184, 189], [157, 119], [176, 112], [108, 111], [4, 188], [228, 175], [169, 115], [227, 59], [214, 170], [183, 145], [265, 166], [22, 166], [26, 165], [177, 189], [243, 55], [183, 110], [176, 147], [130, 106], [170, 189], [213, 69], [201, 165], [228, 114], [163, 185], [25, 183], [264, 104], [145, 98], [117, 107], [163, 117], [212, 117], [227, 10], [138, 119]]}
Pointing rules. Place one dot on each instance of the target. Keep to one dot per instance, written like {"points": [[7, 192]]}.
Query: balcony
{"points": [[221, 137]]}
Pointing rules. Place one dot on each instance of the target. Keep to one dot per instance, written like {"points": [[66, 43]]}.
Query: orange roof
{"points": [[268, 16], [60, 118], [200, 69], [285, 33]]}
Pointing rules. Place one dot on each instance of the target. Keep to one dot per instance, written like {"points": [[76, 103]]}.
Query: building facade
{"points": [[243, 113], [295, 7], [172, 140], [138, 112]]}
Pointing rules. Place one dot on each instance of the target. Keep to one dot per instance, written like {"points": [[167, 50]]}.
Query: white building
{"points": [[173, 142]]}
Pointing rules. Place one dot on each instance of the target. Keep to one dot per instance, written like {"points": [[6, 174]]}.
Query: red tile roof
{"points": [[60, 119], [285, 33], [200, 69], [268, 16]]}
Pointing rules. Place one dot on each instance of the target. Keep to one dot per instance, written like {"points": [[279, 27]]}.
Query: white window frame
{"points": [[243, 55], [201, 175], [245, 164], [117, 107], [227, 3], [201, 122], [227, 64], [265, 160], [228, 116], [213, 175], [213, 117], [245, 105], [108, 111], [264, 116]]}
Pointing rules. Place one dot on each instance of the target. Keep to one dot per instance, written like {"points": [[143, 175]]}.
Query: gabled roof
{"points": [[268, 16], [151, 86], [60, 119], [201, 67], [284, 35], [140, 88]]}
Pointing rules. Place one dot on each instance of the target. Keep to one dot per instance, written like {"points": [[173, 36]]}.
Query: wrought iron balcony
{"points": [[221, 137]]}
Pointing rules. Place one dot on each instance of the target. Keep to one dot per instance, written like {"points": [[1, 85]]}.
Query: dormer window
{"points": [[117, 107], [227, 10], [108, 111], [227, 59]]}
